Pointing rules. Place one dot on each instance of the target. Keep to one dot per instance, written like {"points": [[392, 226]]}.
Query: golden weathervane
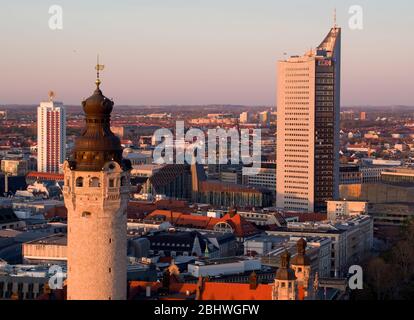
{"points": [[98, 68]]}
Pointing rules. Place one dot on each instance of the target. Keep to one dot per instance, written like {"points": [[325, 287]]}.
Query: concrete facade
{"points": [[308, 104]]}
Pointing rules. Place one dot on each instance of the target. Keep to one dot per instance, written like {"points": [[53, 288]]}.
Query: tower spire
{"points": [[334, 18], [98, 68]]}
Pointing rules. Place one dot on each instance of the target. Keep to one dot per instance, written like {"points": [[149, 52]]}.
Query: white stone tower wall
{"points": [[97, 234]]}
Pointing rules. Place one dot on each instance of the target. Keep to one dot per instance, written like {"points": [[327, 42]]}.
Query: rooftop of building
{"points": [[304, 217], [336, 227], [45, 176], [325, 50], [59, 239], [7, 215], [148, 167], [269, 238], [225, 260], [219, 186], [235, 291], [241, 227]]}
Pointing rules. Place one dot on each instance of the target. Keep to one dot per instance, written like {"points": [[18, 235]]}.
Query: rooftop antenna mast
{"points": [[334, 17], [51, 95]]}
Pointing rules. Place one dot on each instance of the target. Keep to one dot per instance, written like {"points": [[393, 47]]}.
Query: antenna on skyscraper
{"points": [[51, 95], [334, 17]]}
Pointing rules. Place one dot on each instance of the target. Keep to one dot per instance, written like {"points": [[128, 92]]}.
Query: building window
{"points": [[111, 183], [79, 182], [94, 182], [86, 214]]}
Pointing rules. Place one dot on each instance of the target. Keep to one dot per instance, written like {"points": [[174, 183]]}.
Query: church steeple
{"points": [[301, 264], [285, 280]]}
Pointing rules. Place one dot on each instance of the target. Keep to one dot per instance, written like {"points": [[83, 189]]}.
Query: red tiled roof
{"points": [[45, 175], [209, 291], [136, 287], [140, 209], [240, 226], [235, 291], [183, 287], [185, 219]]}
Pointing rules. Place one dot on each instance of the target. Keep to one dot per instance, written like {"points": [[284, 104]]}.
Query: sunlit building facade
{"points": [[308, 109]]}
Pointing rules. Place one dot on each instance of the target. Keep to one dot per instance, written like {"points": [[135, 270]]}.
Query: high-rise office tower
{"points": [[264, 117], [96, 193], [51, 135], [244, 117], [308, 109]]}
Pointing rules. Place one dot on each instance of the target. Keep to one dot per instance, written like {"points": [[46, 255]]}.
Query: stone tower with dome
{"points": [[96, 192]]}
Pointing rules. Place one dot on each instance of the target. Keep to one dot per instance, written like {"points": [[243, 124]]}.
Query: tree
{"points": [[379, 278]]}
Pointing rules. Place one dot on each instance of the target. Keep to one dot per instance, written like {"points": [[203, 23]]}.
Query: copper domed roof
{"points": [[97, 143], [97, 104], [301, 259]]}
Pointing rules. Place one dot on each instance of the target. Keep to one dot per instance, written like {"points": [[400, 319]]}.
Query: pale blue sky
{"points": [[198, 51]]}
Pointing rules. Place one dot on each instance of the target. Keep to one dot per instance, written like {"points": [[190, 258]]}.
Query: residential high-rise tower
{"points": [[51, 135]]}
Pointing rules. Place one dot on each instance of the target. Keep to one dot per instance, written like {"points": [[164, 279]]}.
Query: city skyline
{"points": [[213, 202], [196, 52]]}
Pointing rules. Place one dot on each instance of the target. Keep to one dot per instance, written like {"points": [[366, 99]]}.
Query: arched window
{"points": [[223, 227], [79, 182], [94, 182]]}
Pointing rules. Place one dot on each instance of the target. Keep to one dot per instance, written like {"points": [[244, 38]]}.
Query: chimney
{"points": [[6, 183], [148, 291], [253, 281], [200, 287]]}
